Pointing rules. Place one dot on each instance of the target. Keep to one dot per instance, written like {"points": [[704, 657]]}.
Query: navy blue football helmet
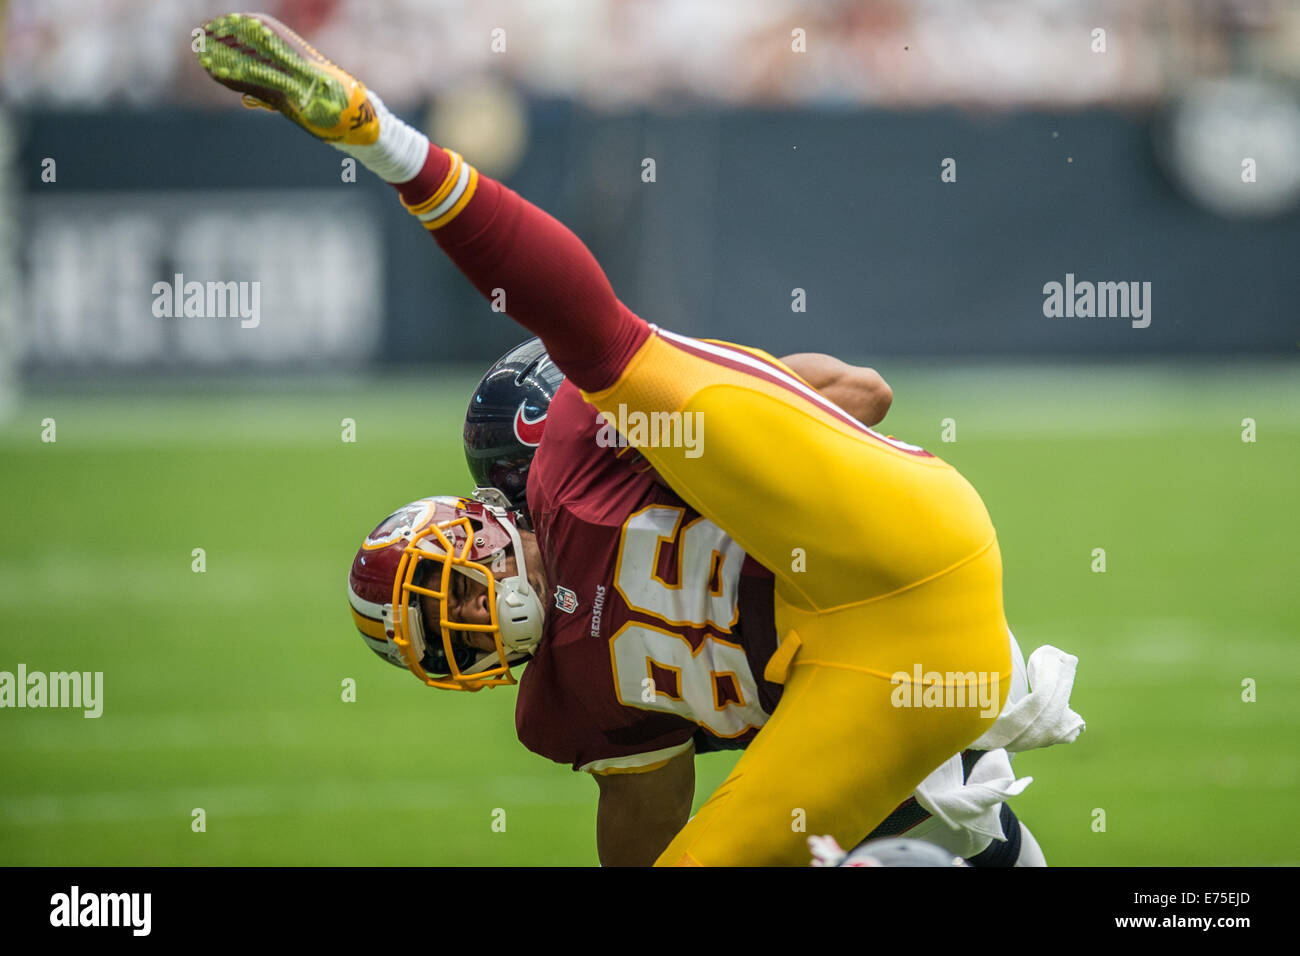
{"points": [[889, 851], [506, 416]]}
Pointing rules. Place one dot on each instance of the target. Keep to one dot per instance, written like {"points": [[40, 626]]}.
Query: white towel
{"points": [[1037, 714], [976, 804], [1043, 716]]}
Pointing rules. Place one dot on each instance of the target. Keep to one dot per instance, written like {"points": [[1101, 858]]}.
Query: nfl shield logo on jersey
{"points": [[565, 600]]}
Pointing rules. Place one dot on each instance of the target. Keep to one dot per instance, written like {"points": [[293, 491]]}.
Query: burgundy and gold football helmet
{"points": [[420, 550]]}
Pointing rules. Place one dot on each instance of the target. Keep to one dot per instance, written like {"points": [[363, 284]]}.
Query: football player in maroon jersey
{"points": [[504, 424], [878, 561], [567, 709]]}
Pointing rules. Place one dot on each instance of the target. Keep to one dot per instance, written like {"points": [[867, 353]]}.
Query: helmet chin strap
{"points": [[488, 659], [415, 630]]}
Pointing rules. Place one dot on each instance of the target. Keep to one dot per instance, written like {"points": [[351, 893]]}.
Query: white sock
{"points": [[1031, 854], [399, 152]]}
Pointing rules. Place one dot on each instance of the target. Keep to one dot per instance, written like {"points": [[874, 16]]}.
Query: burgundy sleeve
{"points": [[553, 285]]}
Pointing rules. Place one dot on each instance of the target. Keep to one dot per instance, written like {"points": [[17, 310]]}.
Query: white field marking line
{"points": [[1221, 724], [343, 795], [219, 730], [1241, 781], [287, 732], [312, 796], [1198, 670], [135, 580], [204, 436], [1163, 773], [1150, 638], [1029, 402]]}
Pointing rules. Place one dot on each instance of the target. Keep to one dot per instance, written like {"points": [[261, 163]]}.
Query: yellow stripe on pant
{"points": [[885, 562]]}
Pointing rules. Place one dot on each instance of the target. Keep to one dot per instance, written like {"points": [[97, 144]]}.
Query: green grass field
{"points": [[223, 689]]}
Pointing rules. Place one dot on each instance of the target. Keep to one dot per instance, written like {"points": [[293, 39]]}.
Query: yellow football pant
{"points": [[886, 563]]}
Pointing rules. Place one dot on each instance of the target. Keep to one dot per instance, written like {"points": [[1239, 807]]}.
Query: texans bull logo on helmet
{"points": [[506, 419], [529, 432]]}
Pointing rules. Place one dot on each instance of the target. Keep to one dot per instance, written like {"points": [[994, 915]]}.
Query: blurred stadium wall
{"points": [[794, 147]]}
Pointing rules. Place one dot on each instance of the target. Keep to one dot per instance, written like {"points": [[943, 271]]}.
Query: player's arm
{"points": [[860, 391], [640, 813]]}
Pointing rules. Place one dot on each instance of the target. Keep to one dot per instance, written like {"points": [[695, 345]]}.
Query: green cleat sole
{"points": [[245, 54]]}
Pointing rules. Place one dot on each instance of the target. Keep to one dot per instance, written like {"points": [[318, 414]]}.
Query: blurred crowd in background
{"points": [[1119, 140], [619, 53]]}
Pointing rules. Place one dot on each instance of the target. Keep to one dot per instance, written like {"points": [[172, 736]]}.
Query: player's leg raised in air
{"points": [[885, 558]]}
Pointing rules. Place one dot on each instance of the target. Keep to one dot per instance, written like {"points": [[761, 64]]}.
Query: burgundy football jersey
{"points": [[658, 625]]}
